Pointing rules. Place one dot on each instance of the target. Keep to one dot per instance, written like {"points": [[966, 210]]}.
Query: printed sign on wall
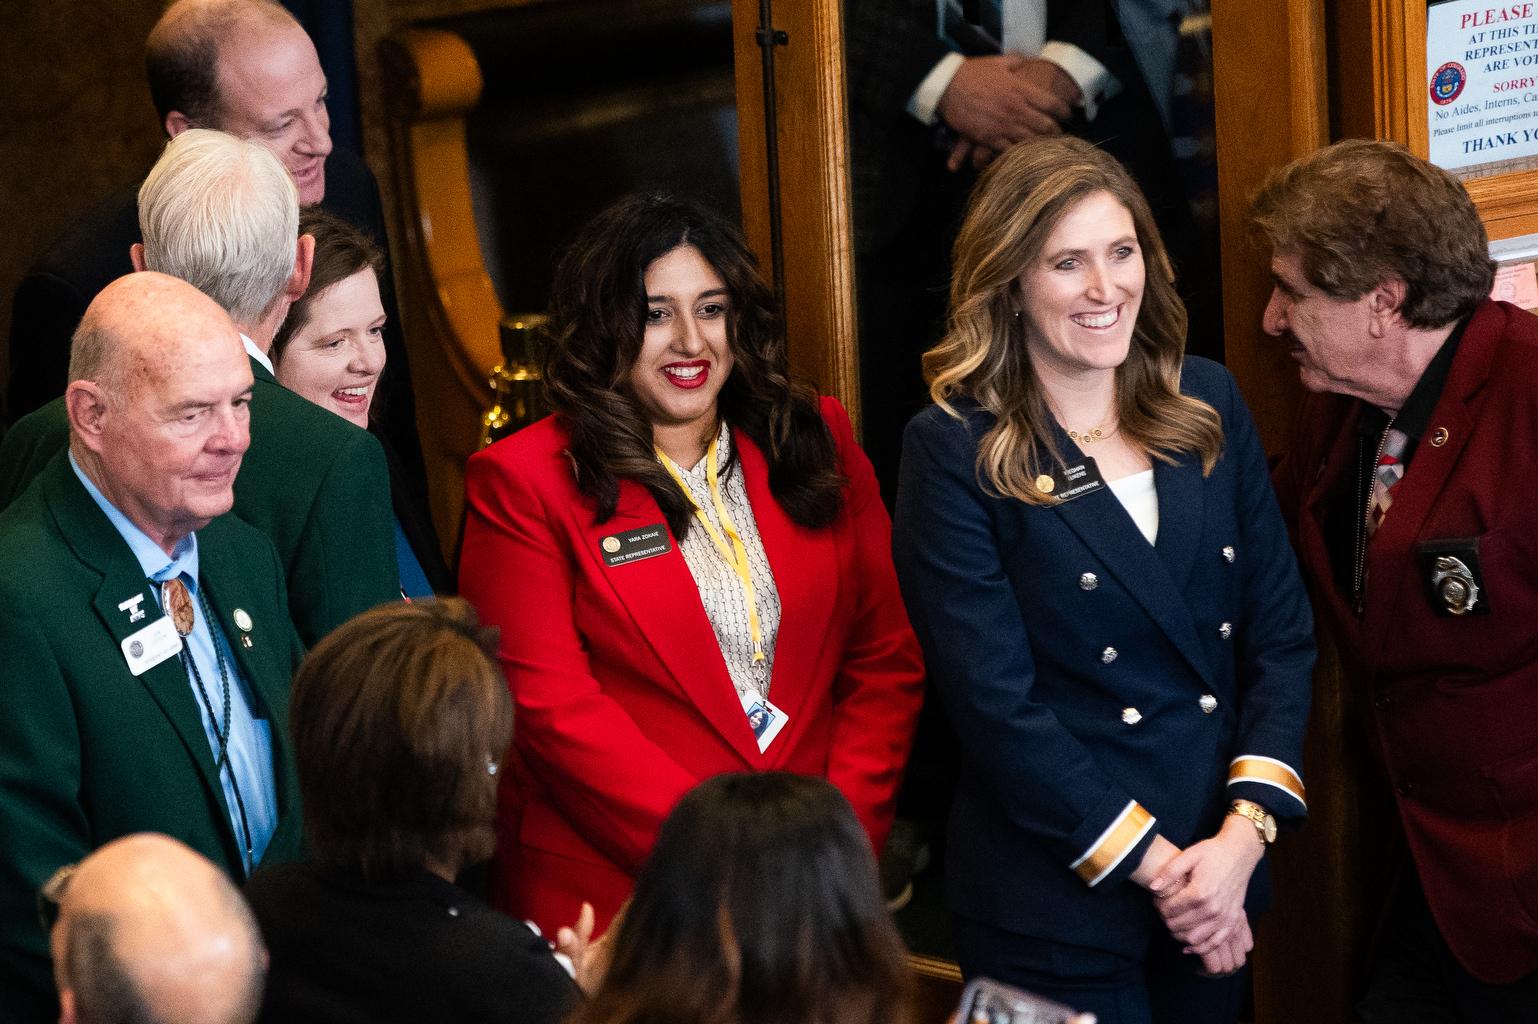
{"points": [[1482, 75]]}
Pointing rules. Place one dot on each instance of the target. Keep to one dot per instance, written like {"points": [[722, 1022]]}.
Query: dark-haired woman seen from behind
{"points": [[1096, 566], [400, 720], [691, 541], [331, 351], [759, 905]]}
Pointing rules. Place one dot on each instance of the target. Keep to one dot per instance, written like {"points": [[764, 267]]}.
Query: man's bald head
{"points": [[148, 925], [182, 55], [248, 68], [139, 323], [158, 404]]}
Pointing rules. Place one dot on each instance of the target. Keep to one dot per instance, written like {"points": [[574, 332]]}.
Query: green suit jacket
{"points": [[88, 751], [316, 485]]}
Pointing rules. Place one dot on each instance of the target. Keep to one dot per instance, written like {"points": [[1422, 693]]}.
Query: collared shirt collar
{"points": [[157, 565], [699, 472], [1415, 415], [258, 354]]}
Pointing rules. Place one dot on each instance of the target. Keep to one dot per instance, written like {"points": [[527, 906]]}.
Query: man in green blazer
{"points": [[146, 635], [223, 215]]}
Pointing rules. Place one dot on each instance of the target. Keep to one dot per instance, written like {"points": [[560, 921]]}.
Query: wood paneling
{"points": [[77, 120], [814, 186], [1272, 108], [1350, 34]]}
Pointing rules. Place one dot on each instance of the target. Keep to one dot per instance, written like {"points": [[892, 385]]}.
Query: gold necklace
{"points": [[1090, 436]]}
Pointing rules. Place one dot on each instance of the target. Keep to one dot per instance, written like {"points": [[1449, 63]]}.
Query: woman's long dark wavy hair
{"points": [[758, 905], [597, 319]]}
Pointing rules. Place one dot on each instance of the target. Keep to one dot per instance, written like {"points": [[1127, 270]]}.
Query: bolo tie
{"points": [[175, 599]]}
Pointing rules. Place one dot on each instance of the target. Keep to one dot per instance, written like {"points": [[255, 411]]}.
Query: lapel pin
{"points": [[242, 621], [1439, 437], [131, 606], [245, 640]]}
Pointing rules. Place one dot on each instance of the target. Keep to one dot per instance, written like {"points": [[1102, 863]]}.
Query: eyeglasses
{"points": [[49, 895]]}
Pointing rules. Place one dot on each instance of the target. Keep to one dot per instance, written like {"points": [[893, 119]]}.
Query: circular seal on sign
{"points": [[1045, 483], [1448, 82], [136, 649], [611, 545]]}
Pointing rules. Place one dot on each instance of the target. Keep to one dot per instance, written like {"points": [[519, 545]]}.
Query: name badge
{"points": [[635, 545], [1072, 481], [764, 719], [151, 645]]}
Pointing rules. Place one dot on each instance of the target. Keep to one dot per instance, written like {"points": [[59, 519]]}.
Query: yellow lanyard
{"points": [[735, 554]]}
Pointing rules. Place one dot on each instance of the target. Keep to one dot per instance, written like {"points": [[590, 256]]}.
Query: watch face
{"points": [[1268, 826]]}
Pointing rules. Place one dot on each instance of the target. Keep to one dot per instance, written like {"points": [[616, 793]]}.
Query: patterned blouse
{"points": [[720, 590]]}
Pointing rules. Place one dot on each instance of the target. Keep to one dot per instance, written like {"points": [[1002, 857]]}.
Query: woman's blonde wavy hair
{"points": [[1017, 203]]}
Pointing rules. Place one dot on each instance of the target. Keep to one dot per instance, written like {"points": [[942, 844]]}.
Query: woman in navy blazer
{"points": [[1094, 562]]}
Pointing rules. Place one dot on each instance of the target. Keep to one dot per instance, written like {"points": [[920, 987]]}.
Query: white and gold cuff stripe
{"points": [[1267, 771], [1113, 845]]}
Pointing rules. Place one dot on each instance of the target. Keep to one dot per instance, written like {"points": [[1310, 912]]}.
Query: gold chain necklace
{"points": [[1090, 436]]}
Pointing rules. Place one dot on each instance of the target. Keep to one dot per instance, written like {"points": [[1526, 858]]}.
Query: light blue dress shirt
{"points": [[250, 739]]}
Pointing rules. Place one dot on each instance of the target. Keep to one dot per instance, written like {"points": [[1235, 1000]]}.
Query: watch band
{"points": [[1265, 824]]}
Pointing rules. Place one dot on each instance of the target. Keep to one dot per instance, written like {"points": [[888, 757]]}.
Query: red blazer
{"points": [[1452, 702], [622, 699]]}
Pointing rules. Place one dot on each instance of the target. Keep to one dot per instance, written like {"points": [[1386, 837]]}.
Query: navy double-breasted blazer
{"points": [[1104, 689]]}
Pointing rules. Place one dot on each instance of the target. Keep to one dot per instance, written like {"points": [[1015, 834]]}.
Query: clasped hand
{"points": [[994, 102], [1199, 893]]}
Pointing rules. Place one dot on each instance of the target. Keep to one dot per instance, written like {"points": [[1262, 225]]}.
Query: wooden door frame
{"points": [[1272, 107], [815, 211]]}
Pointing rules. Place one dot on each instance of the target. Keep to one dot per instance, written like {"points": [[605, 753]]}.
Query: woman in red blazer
{"points": [[689, 562]]}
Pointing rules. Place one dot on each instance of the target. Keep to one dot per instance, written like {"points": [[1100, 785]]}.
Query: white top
{"points": [[1141, 500], [720, 590]]}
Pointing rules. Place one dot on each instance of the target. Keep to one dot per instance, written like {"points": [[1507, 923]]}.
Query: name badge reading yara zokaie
{"points": [[635, 545]]}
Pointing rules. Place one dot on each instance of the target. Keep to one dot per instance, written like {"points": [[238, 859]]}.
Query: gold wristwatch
{"points": [[1259, 816]]}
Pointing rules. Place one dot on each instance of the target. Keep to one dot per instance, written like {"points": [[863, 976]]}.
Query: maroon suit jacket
{"points": [[1452, 701], [622, 699]]}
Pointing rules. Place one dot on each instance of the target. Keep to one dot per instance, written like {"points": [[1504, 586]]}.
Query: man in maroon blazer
{"points": [[1411, 488]]}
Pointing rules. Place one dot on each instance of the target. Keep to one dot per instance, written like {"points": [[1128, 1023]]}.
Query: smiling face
{"points": [[336, 358], [272, 91], [1330, 338], [685, 354], [172, 449], [160, 418], [1080, 297]]}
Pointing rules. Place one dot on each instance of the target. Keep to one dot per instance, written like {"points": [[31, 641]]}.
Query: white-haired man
{"points": [[248, 68], [223, 215]]}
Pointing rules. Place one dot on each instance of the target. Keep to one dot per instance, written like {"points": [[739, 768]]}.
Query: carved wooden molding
{"points": [[450, 309]]}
